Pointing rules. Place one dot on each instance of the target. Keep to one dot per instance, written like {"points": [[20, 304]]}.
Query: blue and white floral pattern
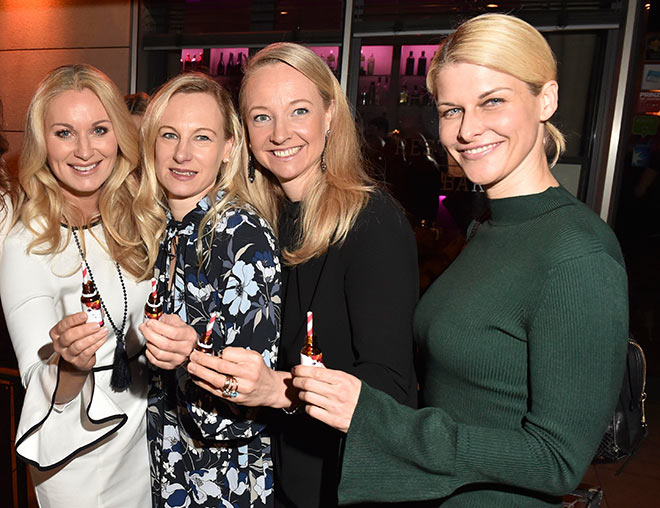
{"points": [[206, 451]]}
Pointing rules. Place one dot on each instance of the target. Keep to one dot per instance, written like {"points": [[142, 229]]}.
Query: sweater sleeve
{"points": [[244, 272], [576, 350], [32, 307], [382, 288]]}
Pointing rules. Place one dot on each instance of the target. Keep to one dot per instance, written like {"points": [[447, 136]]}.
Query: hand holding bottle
{"points": [[258, 384], [329, 395], [169, 341], [77, 341]]}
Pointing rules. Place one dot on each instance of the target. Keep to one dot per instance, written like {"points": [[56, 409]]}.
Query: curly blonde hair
{"points": [[506, 44], [335, 197], [127, 209], [232, 178]]}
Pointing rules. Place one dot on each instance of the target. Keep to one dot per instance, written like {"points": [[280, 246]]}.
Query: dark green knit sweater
{"points": [[523, 340]]}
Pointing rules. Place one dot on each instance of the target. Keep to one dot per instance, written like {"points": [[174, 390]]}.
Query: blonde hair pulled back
{"points": [[506, 44]]}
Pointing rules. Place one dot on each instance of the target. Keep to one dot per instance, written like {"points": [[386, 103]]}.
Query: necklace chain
{"points": [[119, 333]]}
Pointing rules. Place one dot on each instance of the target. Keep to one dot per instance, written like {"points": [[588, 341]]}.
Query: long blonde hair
{"points": [[506, 44], [232, 176], [126, 206], [334, 198], [6, 181]]}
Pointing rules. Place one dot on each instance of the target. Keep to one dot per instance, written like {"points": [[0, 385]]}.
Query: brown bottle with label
{"points": [[90, 300], [311, 353]]}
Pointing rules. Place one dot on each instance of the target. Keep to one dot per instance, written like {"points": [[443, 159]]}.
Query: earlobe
{"points": [[549, 100], [228, 146], [329, 114]]}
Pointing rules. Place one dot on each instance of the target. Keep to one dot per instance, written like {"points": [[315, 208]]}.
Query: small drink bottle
{"points": [[90, 300], [153, 309], [205, 342], [311, 354]]}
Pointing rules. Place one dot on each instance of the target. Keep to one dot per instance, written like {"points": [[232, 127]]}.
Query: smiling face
{"points": [[492, 125], [287, 122], [81, 147], [190, 147]]}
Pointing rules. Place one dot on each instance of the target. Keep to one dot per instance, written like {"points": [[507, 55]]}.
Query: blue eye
{"points": [[261, 118], [203, 137], [301, 111], [63, 133], [448, 113], [100, 131], [495, 101], [168, 135]]}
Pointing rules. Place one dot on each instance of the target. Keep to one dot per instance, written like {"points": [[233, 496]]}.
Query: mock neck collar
{"points": [[519, 209]]}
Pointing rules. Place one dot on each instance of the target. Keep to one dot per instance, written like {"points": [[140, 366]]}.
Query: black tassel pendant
{"points": [[121, 373]]}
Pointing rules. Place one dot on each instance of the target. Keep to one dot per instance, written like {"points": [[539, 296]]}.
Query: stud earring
{"points": [[251, 169]]}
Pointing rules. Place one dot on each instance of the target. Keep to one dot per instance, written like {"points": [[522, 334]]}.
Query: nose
{"points": [[84, 149], [471, 126], [280, 132], [182, 152]]}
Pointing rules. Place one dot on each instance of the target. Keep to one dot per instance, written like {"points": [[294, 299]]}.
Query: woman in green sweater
{"points": [[523, 337]]}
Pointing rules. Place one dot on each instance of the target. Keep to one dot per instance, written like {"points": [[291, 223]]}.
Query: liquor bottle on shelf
{"points": [[371, 95], [378, 97], [403, 95], [410, 65], [239, 64], [231, 67], [311, 354], [421, 65], [221, 65], [371, 63], [364, 96], [363, 71], [331, 61], [90, 300]]}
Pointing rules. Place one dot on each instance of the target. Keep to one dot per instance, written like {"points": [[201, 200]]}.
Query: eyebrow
{"points": [[482, 96], [292, 103], [69, 126], [196, 130]]}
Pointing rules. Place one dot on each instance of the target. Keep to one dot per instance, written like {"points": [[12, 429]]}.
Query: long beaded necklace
{"points": [[121, 374]]}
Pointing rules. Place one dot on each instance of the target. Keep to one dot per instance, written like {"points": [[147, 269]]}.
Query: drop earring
{"points": [[251, 169], [324, 166]]}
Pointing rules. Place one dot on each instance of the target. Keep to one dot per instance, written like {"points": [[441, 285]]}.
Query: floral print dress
{"points": [[206, 451]]}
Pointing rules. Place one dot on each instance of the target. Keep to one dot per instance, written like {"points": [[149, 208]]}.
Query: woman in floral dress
{"points": [[218, 257]]}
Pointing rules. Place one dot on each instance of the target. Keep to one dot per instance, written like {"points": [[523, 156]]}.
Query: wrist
{"points": [[71, 369]]}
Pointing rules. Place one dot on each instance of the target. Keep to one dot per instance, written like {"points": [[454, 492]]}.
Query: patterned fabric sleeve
{"points": [[240, 280]]}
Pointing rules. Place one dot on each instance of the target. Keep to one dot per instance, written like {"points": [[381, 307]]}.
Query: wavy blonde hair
{"points": [[126, 206], [334, 198], [506, 44], [232, 176], [6, 180]]}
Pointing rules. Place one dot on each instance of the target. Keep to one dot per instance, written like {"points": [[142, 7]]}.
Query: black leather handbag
{"points": [[627, 428]]}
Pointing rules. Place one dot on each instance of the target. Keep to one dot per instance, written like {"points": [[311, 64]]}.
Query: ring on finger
{"points": [[230, 388]]}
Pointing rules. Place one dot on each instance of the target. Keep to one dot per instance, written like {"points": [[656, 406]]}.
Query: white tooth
{"points": [[183, 173], [480, 149], [286, 153], [85, 168]]}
